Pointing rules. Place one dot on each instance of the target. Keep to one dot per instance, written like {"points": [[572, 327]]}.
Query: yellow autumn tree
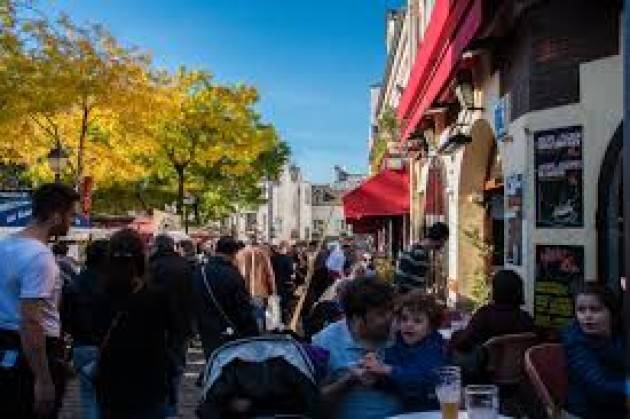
{"points": [[83, 91], [204, 130]]}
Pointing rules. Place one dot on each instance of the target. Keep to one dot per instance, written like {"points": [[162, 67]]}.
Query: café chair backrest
{"points": [[545, 366], [505, 357]]}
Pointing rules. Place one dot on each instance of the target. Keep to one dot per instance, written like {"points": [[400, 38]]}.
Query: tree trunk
{"points": [[81, 149], [180, 169], [197, 215]]}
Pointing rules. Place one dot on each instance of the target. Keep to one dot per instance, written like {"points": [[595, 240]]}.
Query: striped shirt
{"points": [[412, 268]]}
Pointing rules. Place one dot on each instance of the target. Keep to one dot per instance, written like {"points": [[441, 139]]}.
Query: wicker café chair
{"points": [[505, 357], [546, 367]]}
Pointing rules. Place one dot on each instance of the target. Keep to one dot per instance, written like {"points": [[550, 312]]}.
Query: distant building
{"points": [[286, 214], [327, 208]]}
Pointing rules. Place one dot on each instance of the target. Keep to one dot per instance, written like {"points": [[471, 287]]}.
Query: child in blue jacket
{"points": [[408, 367]]}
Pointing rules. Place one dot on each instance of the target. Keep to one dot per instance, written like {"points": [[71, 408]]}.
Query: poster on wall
{"points": [[559, 269], [514, 219], [558, 166]]}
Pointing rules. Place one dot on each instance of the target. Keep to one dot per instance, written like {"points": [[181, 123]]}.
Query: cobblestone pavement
{"points": [[189, 394]]}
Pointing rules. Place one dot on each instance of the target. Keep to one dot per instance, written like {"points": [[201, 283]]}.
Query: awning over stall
{"points": [[384, 194]]}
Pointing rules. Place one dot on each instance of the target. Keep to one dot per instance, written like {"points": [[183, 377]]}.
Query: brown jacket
{"points": [[254, 264]]}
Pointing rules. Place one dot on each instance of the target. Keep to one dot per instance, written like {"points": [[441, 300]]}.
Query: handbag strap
{"points": [[216, 303]]}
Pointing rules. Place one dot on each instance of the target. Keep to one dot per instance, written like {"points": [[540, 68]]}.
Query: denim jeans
{"points": [[175, 372], [259, 307], [85, 360]]}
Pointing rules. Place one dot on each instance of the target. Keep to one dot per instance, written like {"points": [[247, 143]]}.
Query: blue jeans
{"points": [[85, 359], [175, 372]]}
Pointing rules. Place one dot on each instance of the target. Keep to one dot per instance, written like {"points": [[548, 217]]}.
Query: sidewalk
{"points": [[189, 396]]}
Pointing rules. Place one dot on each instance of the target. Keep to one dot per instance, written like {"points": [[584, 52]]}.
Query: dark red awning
{"points": [[453, 25], [384, 194]]}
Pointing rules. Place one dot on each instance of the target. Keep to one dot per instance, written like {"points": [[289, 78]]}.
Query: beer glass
{"points": [[448, 391], [482, 401]]}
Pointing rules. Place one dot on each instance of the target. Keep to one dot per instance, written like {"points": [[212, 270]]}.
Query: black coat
{"points": [[171, 275], [229, 290], [283, 271], [84, 308]]}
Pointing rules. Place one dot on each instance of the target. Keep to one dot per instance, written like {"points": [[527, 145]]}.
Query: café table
{"points": [[435, 415]]}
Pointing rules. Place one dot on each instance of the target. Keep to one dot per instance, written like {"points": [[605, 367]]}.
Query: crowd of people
{"points": [[130, 314]]}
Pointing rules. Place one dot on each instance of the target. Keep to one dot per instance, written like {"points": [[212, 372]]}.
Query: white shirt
{"points": [[28, 271]]}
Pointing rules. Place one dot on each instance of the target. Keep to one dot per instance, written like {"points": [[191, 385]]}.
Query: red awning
{"points": [[453, 25], [382, 195]]}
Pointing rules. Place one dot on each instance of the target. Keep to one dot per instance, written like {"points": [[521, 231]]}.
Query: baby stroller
{"points": [[260, 377]]}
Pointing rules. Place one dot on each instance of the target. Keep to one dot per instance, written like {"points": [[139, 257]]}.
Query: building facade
{"points": [[521, 114], [327, 207], [285, 216]]}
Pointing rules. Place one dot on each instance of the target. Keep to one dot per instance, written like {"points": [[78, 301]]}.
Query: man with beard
{"points": [[31, 377], [349, 388]]}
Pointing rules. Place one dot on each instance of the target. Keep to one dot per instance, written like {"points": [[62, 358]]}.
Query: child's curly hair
{"points": [[418, 302]]}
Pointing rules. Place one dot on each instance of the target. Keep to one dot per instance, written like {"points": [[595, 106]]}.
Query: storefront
{"points": [[380, 207], [527, 126]]}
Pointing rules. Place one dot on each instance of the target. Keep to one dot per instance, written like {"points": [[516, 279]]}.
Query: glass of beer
{"points": [[482, 401], [449, 390]]}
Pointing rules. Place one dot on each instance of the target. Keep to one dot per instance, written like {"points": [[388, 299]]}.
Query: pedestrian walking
{"points": [[171, 275], [31, 363], [68, 267], [131, 380], [414, 264], [254, 263], [222, 305], [283, 270], [83, 309]]}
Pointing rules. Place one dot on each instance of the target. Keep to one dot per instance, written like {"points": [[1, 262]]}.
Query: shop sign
{"points": [[514, 219], [15, 208], [559, 269], [500, 118], [558, 165]]}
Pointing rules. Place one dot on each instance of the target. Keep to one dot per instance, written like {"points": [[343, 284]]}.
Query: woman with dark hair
{"points": [[594, 348], [502, 316], [131, 378]]}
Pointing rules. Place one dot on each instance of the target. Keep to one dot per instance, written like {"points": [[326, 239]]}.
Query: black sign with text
{"points": [[558, 269], [559, 184]]}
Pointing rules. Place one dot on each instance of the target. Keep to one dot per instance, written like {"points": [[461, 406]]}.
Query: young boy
{"points": [[409, 366]]}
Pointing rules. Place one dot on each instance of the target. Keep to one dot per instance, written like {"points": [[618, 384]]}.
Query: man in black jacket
{"points": [[222, 305], [283, 270], [172, 275]]}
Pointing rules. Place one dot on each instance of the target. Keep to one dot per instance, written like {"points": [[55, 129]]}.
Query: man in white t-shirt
{"points": [[30, 290]]}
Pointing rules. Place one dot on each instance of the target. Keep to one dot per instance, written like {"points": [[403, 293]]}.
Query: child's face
{"points": [[413, 326], [592, 315]]}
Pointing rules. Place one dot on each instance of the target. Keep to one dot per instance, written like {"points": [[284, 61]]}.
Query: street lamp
{"points": [[57, 160]]}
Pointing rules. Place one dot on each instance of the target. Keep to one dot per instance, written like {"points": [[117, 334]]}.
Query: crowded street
{"points": [[333, 209]]}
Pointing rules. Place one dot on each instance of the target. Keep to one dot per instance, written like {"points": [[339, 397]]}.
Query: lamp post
{"points": [[57, 160]]}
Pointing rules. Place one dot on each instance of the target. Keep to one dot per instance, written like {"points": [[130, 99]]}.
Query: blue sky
{"points": [[312, 60]]}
